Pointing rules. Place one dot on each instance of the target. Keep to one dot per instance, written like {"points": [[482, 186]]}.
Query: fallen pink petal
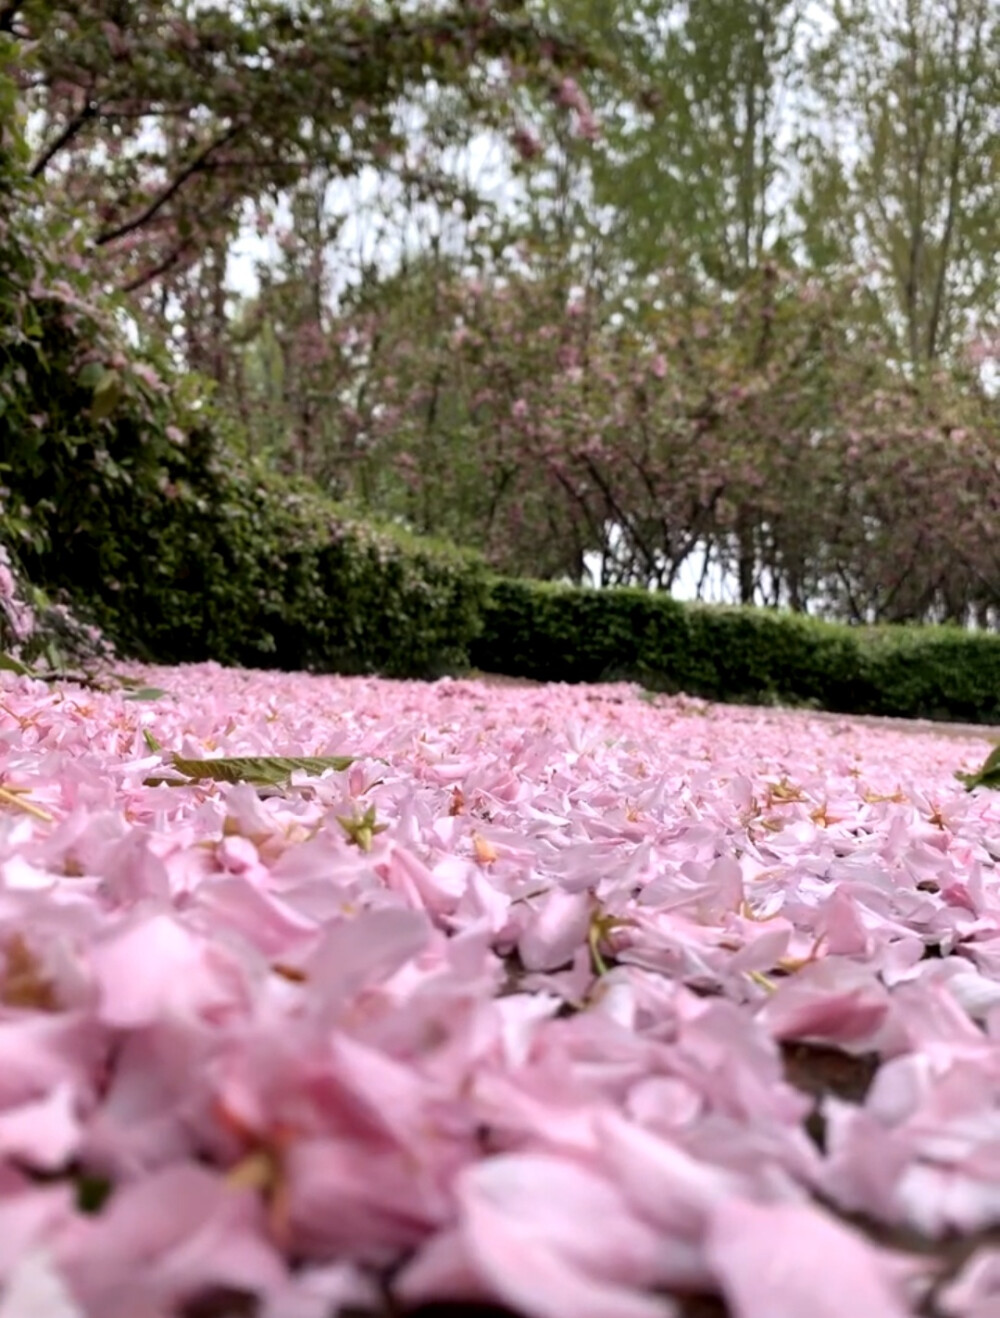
{"points": [[559, 999]]}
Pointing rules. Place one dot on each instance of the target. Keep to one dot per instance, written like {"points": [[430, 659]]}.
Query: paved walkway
{"points": [[924, 727]]}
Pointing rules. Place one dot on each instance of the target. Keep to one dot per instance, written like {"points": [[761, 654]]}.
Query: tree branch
{"points": [[154, 272], [70, 130], [194, 166], [955, 163], [918, 150]]}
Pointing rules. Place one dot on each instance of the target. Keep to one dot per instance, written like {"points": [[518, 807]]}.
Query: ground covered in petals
{"points": [[569, 1001]]}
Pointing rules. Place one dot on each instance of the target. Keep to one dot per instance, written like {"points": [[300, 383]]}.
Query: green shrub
{"points": [[931, 672], [562, 633], [255, 572], [358, 597], [126, 493], [758, 654]]}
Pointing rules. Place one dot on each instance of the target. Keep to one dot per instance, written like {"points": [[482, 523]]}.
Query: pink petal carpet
{"points": [[565, 1000]]}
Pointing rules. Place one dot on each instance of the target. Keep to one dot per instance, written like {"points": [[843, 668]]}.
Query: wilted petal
{"points": [[790, 1260], [34, 1289], [551, 1238], [164, 1240]]}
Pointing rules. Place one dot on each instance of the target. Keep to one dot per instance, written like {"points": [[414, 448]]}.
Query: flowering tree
{"points": [[555, 380], [158, 126], [663, 430]]}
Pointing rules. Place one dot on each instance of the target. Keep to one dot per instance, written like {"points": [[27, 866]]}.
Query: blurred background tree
{"points": [[698, 295]]}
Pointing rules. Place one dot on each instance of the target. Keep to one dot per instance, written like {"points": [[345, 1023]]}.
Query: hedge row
{"points": [[255, 572], [558, 633], [124, 493], [263, 574], [219, 562]]}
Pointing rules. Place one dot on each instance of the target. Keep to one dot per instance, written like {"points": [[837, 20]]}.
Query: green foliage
{"points": [[126, 493], [84, 427], [987, 776], [361, 829], [557, 633], [92, 1192], [931, 672], [11, 665], [914, 203], [255, 573], [266, 770], [689, 159], [563, 634], [760, 654]]}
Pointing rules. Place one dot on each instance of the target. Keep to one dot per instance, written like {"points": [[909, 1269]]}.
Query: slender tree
{"points": [[691, 163], [903, 166]]}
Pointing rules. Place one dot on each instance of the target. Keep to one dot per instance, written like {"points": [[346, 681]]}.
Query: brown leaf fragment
{"points": [[25, 983]]}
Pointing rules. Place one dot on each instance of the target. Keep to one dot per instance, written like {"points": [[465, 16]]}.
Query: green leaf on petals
{"points": [[107, 392], [12, 665], [92, 1192], [987, 776], [266, 770]]}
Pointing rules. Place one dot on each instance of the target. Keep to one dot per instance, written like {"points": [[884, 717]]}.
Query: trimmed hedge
{"points": [[220, 562], [124, 492], [252, 571], [563, 633], [931, 672]]}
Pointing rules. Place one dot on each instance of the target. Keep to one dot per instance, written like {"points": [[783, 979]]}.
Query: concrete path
{"points": [[922, 726]]}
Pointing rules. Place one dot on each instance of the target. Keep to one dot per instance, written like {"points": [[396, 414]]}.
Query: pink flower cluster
{"points": [[495, 1012]]}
